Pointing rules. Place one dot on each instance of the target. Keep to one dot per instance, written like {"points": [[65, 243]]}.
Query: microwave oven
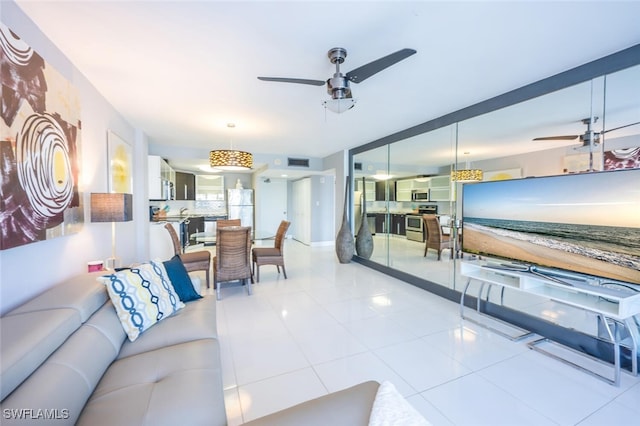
{"points": [[420, 196]]}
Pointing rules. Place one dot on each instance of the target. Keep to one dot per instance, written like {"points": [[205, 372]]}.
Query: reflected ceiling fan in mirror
{"points": [[338, 85], [589, 138]]}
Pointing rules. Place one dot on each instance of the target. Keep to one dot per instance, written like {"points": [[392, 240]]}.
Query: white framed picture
{"points": [[502, 174], [577, 163], [120, 167]]}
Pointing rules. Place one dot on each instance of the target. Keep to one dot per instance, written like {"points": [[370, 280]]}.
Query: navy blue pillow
{"points": [[180, 279]]}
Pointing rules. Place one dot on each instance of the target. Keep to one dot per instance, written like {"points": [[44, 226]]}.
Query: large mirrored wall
{"points": [[537, 132]]}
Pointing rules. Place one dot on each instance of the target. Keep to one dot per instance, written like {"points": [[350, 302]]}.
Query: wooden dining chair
{"points": [[232, 261], [193, 260], [271, 255], [435, 238]]}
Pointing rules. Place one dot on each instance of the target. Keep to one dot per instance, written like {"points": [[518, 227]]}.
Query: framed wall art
{"points": [[40, 135], [628, 158], [583, 162], [120, 170], [502, 174]]}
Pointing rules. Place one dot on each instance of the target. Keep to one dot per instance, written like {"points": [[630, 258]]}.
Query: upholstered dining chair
{"points": [[271, 255], [435, 238], [193, 260], [232, 261]]}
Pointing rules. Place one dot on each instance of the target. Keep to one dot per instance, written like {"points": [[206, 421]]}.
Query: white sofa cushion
{"points": [[65, 381], [27, 340], [174, 385], [197, 320], [34, 330]]}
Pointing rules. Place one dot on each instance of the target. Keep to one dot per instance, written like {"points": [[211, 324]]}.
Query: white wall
{"points": [[301, 210], [339, 163], [323, 210], [28, 270]]}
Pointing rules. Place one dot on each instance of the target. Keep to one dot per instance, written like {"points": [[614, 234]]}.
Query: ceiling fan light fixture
{"points": [[338, 85], [339, 105], [230, 160]]}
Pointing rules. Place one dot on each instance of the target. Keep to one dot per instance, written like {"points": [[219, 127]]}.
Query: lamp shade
{"points": [[228, 159], [467, 175], [111, 207]]}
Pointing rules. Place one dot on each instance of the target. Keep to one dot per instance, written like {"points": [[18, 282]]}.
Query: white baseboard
{"points": [[322, 243]]}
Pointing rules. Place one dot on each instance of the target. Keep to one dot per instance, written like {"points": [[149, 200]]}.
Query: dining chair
{"points": [[271, 255], [435, 238], [192, 260], [232, 261], [228, 222]]}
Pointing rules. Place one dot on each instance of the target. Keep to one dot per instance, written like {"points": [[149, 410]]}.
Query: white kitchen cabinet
{"points": [[209, 187], [160, 244], [159, 172], [369, 188], [440, 188], [421, 183], [403, 189]]}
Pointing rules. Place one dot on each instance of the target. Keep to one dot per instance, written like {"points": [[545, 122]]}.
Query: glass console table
{"points": [[615, 304]]}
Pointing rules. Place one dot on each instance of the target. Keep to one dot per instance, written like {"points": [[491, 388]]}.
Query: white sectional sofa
{"points": [[66, 358]]}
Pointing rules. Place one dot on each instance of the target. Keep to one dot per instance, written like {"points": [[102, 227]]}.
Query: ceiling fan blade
{"points": [[557, 138], [360, 74], [293, 80], [621, 127]]}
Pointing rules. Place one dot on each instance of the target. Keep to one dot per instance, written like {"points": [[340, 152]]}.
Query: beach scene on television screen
{"points": [[587, 223]]}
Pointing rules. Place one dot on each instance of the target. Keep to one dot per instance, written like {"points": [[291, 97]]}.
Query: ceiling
{"points": [[182, 70]]}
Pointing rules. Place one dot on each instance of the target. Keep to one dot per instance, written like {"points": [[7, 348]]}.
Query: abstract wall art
{"points": [[120, 169], [502, 174], [39, 148], [628, 158]]}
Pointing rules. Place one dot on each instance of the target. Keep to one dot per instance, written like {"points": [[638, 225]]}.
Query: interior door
{"points": [[301, 222], [271, 206]]}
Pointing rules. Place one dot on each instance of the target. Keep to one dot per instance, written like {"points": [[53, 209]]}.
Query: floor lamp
{"points": [[111, 208]]}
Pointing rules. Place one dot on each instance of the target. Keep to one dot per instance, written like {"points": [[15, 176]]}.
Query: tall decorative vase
{"points": [[364, 239], [344, 239]]}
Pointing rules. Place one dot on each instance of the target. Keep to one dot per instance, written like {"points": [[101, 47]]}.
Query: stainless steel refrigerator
{"points": [[240, 206]]}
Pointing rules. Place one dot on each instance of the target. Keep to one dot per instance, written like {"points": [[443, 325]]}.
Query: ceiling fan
{"points": [[589, 138], [338, 85]]}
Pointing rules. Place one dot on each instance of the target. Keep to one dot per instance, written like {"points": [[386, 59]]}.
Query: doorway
{"points": [[271, 206]]}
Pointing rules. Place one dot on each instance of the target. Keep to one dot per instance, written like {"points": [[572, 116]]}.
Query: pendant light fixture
{"points": [[467, 174], [230, 159]]}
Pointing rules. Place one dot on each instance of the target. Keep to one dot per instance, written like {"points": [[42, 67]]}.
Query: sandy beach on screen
{"points": [[517, 249]]}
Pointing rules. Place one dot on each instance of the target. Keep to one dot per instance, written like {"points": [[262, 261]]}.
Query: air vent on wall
{"points": [[298, 162], [357, 166]]}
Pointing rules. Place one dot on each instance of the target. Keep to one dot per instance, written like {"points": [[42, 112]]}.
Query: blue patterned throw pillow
{"points": [[142, 296]]}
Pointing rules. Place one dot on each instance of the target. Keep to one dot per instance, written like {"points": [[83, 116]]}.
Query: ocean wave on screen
{"points": [[619, 259]]}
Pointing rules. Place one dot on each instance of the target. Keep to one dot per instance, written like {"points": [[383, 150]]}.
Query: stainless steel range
{"points": [[414, 224]]}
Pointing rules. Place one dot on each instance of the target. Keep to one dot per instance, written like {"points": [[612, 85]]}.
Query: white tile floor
{"points": [[331, 325]]}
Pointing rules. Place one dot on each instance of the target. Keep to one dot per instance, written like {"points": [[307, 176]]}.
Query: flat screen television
{"points": [[587, 223]]}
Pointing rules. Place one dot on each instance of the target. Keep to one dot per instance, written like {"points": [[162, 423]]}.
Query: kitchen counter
{"points": [[181, 218], [212, 218]]}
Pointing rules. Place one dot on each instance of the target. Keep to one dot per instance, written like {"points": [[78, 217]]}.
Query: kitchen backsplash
{"points": [[204, 207], [404, 206]]}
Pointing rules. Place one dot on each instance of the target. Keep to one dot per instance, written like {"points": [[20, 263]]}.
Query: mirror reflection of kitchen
{"points": [[410, 175]]}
